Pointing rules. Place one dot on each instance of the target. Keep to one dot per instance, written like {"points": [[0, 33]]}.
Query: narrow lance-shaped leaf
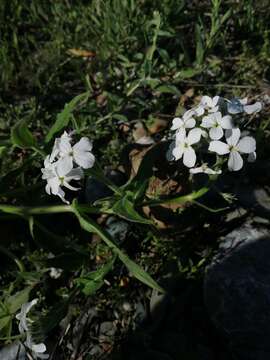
{"points": [[65, 116], [94, 280], [90, 226], [125, 209]]}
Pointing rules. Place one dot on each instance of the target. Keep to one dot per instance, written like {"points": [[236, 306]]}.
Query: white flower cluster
{"points": [[59, 168], [37, 350], [211, 121]]}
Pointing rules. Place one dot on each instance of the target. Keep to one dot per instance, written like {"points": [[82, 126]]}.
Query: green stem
{"points": [[14, 337], [177, 200], [208, 208], [39, 151], [28, 210]]}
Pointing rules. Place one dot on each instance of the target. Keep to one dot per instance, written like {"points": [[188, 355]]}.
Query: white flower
{"points": [[22, 315], [80, 153], [207, 103], [234, 147], [37, 350], [55, 273], [236, 106], [204, 169], [65, 137], [58, 176], [183, 146], [186, 122], [216, 123]]}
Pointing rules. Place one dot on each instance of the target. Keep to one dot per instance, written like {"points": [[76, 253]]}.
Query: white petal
{"points": [[250, 109], [194, 136], [64, 165], [216, 133], [219, 147], [199, 110], [61, 194], [226, 122], [39, 348], [197, 170], [247, 145], [208, 121], [54, 184], [177, 152], [243, 101], [215, 100], [235, 162], [252, 157], [74, 174], [180, 136], [217, 116], [27, 307], [232, 136], [84, 159], [55, 150], [190, 123], [189, 157], [48, 189], [206, 101], [64, 146], [188, 114], [68, 186], [177, 123], [83, 145], [47, 162]]}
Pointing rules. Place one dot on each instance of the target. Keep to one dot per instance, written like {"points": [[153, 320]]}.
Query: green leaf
{"points": [[125, 209], [168, 89], [139, 273], [94, 280], [15, 301], [188, 73], [64, 117], [90, 226], [4, 321], [21, 136]]}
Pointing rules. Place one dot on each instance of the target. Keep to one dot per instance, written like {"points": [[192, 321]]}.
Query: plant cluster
{"points": [[216, 116]]}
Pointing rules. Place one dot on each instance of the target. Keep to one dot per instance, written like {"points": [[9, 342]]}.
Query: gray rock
{"points": [[14, 351], [237, 292]]}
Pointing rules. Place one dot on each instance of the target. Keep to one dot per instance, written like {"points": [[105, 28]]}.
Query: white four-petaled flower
{"points": [[183, 146], [58, 176], [207, 103], [24, 321], [59, 168], [233, 147], [22, 315], [216, 123], [186, 122]]}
